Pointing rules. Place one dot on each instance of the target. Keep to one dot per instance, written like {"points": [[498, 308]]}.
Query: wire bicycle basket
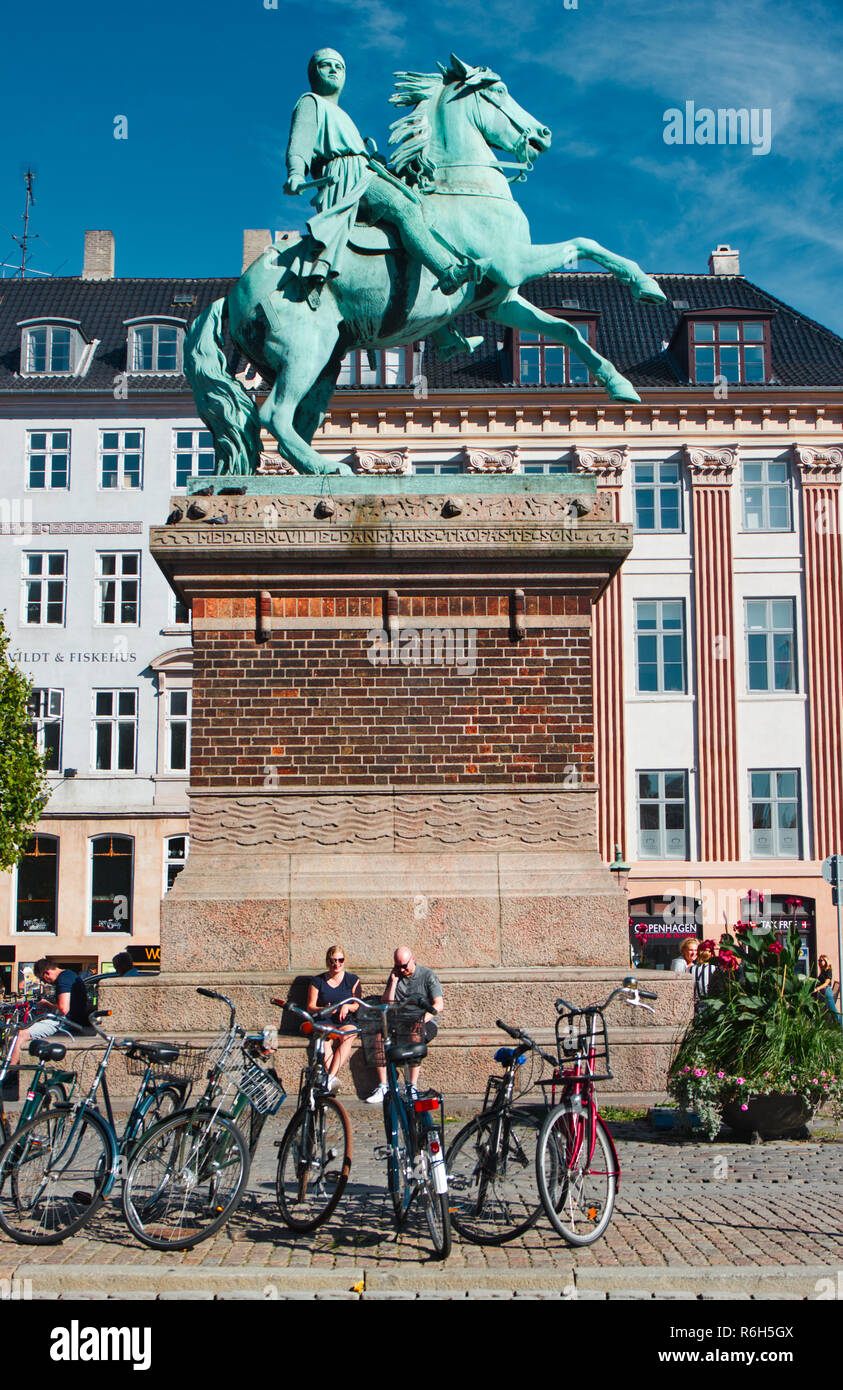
{"points": [[582, 1040], [190, 1065]]}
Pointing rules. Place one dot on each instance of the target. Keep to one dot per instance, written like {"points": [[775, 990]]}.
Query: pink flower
{"points": [[744, 1107], [741, 1080], [686, 1069], [720, 1075], [775, 948]]}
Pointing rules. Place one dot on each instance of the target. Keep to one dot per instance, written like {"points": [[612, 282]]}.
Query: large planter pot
{"points": [[778, 1115]]}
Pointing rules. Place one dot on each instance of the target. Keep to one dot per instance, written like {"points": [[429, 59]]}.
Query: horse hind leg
{"points": [[288, 411]]}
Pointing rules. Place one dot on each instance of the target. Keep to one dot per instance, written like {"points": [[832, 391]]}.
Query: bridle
{"points": [[524, 164]]}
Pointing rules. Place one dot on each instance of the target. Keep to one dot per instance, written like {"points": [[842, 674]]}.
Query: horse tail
{"points": [[223, 405]]}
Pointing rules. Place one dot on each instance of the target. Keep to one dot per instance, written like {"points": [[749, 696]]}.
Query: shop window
{"points": [[111, 883], [657, 928], [38, 882]]}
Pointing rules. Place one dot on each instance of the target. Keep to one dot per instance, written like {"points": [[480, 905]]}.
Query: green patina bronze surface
{"points": [[391, 256]]}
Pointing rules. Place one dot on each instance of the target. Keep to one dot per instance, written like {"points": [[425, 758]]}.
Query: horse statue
{"points": [[382, 297]]}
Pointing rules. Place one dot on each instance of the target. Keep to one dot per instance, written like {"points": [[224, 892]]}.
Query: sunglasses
{"points": [[337, 960]]}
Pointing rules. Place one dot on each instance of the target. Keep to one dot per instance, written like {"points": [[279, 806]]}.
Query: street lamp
{"points": [[620, 869]]}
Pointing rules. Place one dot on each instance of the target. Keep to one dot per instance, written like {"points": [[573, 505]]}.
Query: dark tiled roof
{"points": [[101, 306], [631, 335]]}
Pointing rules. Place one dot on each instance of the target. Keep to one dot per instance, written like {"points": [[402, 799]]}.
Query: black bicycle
{"points": [[492, 1161], [314, 1155]]}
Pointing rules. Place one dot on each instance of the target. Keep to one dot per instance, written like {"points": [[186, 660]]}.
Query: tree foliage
{"points": [[24, 789]]}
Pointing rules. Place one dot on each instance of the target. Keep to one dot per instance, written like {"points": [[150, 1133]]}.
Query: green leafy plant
{"points": [[762, 1030], [24, 789]]}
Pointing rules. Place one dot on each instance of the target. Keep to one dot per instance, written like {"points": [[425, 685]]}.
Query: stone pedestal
{"points": [[393, 736]]}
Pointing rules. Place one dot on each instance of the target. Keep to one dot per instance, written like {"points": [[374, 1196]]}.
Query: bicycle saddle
{"points": [[46, 1050], [155, 1052], [406, 1052], [504, 1055]]}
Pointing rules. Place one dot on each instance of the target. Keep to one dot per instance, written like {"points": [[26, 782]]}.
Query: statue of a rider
{"points": [[327, 152]]}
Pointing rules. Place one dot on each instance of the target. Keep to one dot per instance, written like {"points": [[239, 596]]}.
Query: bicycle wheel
{"points": [[54, 1173], [313, 1164], [185, 1180], [577, 1189], [492, 1178], [437, 1211], [397, 1161]]}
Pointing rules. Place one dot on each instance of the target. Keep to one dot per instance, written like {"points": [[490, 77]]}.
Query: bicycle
{"points": [[492, 1160], [48, 1086], [314, 1155], [414, 1144], [57, 1169], [577, 1164], [189, 1173]]}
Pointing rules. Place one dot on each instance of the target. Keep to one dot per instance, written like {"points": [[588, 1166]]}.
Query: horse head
{"points": [[459, 104], [502, 122]]}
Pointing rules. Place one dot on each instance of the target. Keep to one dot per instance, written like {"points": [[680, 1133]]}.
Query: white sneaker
{"points": [[331, 1084], [378, 1094]]}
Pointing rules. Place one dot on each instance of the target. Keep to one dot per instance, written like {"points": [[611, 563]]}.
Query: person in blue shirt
{"points": [[71, 1001]]}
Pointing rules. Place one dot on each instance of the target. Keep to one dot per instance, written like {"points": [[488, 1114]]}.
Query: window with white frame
{"points": [[118, 589], [194, 455], [115, 730], [436, 469], [663, 815], [176, 850], [660, 646], [44, 588], [386, 367], [554, 466], [544, 362], [121, 458], [50, 350], [177, 732], [112, 879], [45, 713], [774, 814], [770, 644], [765, 489], [657, 495], [179, 611], [47, 459], [156, 348]]}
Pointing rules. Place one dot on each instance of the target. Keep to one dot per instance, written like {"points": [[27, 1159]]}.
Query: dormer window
{"points": [[50, 348], [728, 345], [538, 360], [155, 346]]}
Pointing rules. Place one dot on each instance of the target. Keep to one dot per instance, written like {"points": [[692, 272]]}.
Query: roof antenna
{"points": [[23, 241]]}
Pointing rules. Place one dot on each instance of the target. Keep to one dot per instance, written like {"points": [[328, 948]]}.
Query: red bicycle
{"points": [[576, 1161]]}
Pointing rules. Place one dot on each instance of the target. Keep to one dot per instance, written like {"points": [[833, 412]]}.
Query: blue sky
{"points": [[207, 87]]}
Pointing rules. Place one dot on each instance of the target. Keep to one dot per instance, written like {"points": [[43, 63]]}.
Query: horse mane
{"points": [[411, 134]]}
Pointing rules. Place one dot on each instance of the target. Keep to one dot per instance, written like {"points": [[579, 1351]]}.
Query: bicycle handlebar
{"points": [[526, 1039], [629, 987]]}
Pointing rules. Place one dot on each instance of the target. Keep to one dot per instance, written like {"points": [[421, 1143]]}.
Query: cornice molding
{"points": [[606, 465], [818, 465], [393, 461], [709, 467], [491, 461]]}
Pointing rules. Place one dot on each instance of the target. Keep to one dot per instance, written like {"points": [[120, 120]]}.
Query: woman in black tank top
{"points": [[335, 985]]}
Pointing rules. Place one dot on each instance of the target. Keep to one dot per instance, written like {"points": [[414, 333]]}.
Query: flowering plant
{"points": [[762, 1030]]}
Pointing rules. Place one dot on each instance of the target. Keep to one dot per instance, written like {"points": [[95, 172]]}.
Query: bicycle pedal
{"points": [[382, 1153]]}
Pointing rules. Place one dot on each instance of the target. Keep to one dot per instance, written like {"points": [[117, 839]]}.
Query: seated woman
{"points": [[332, 987]]}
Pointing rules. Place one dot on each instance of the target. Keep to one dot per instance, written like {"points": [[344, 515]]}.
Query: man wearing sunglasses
{"points": [[409, 981]]}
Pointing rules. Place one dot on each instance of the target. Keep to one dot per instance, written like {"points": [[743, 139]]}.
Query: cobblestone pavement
{"points": [[691, 1220]]}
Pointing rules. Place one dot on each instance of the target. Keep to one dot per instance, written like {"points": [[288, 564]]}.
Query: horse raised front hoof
{"points": [[646, 291], [618, 388]]}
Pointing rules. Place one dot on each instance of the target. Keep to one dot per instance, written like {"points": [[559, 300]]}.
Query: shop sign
{"points": [[662, 929]]}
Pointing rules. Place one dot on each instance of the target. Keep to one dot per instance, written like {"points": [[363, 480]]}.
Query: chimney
{"points": [[99, 256], [254, 241], [724, 261]]}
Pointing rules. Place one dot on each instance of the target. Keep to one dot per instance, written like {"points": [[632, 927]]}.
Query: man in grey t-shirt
{"points": [[408, 980]]}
